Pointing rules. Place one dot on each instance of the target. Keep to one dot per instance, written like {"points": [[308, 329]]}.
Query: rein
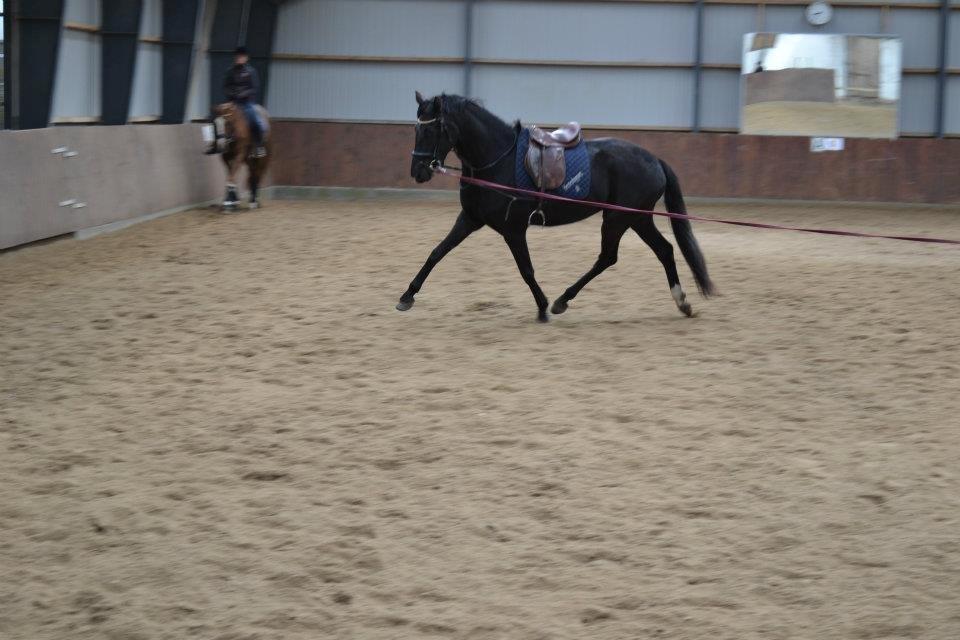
{"points": [[503, 188]]}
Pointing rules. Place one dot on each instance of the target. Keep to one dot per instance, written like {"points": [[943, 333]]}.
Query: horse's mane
{"points": [[453, 103]]}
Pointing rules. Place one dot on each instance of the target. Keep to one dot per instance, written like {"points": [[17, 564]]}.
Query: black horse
{"points": [[622, 173]]}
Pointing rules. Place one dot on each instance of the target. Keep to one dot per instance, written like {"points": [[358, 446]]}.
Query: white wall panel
{"points": [[952, 112], [76, 90], [720, 99], [151, 20], [627, 97], [371, 27], [198, 94], [919, 31], [145, 100], [953, 47], [356, 90], [82, 11], [918, 99], [147, 82], [584, 31], [723, 29]]}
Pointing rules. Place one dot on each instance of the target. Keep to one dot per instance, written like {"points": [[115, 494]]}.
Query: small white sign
{"points": [[826, 144]]}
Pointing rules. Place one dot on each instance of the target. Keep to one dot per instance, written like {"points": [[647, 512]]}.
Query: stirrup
{"points": [[537, 212]]}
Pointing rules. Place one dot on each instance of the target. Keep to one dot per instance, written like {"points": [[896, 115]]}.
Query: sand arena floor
{"points": [[218, 427]]}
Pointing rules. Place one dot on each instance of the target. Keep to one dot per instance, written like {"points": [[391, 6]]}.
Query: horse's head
{"points": [[226, 125], [436, 135]]}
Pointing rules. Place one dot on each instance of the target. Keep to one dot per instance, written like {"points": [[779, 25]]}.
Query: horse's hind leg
{"points": [[463, 227], [614, 226], [649, 233]]}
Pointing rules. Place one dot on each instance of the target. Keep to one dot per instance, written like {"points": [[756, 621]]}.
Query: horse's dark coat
{"points": [[620, 173]]}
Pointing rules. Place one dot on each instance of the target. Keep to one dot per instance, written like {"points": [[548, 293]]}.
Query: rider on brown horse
{"points": [[241, 133], [241, 87]]}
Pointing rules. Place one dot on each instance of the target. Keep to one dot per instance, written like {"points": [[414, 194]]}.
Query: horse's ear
{"points": [[420, 98], [437, 104]]}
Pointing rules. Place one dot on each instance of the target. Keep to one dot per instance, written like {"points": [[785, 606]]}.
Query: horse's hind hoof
{"points": [[559, 306], [686, 309], [254, 205], [543, 317], [404, 305]]}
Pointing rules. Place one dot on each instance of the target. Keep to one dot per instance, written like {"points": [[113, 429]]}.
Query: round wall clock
{"points": [[819, 13]]}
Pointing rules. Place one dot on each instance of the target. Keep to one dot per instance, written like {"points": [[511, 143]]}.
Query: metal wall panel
{"points": [[82, 11], [625, 97], [147, 75], [356, 90], [198, 99], [953, 43], [371, 27], [952, 112], [918, 29], [723, 31], [791, 19], [76, 91], [147, 81], [198, 102], [151, 25], [918, 99], [720, 99], [597, 31]]}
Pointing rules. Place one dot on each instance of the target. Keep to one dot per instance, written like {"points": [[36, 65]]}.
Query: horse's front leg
{"points": [[253, 180], [232, 197], [517, 242], [463, 227]]}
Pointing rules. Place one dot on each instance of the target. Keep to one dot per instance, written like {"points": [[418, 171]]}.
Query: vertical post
{"points": [[468, 49], [257, 33], [38, 43], [7, 64], [698, 66], [942, 67], [119, 31], [179, 24]]}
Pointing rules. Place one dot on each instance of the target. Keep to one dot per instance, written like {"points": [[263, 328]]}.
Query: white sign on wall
{"points": [[826, 144]]}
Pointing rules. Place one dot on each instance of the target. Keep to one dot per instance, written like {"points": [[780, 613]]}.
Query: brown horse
{"points": [[234, 143]]}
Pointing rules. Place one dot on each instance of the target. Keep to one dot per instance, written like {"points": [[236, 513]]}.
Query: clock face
{"points": [[819, 13]]}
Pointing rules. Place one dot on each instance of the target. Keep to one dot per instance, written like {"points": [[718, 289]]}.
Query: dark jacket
{"points": [[241, 84]]}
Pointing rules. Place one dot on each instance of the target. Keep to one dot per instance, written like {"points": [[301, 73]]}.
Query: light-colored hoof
{"points": [[254, 205]]}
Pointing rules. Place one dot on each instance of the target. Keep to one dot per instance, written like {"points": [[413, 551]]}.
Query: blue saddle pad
{"points": [[577, 160]]}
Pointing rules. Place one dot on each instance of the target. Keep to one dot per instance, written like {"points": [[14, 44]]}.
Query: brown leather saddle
{"points": [[544, 160]]}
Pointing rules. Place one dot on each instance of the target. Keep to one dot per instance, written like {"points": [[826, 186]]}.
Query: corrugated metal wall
{"points": [[607, 63], [603, 63]]}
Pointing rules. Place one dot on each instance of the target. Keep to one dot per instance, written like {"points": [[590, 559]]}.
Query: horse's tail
{"points": [[683, 232]]}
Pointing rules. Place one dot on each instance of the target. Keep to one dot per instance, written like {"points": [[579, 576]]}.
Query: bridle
{"points": [[435, 154], [436, 162]]}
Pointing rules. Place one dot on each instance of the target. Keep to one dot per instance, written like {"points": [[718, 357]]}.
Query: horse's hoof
{"points": [[228, 206], [254, 205], [404, 305], [559, 306], [543, 317], [686, 309]]}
